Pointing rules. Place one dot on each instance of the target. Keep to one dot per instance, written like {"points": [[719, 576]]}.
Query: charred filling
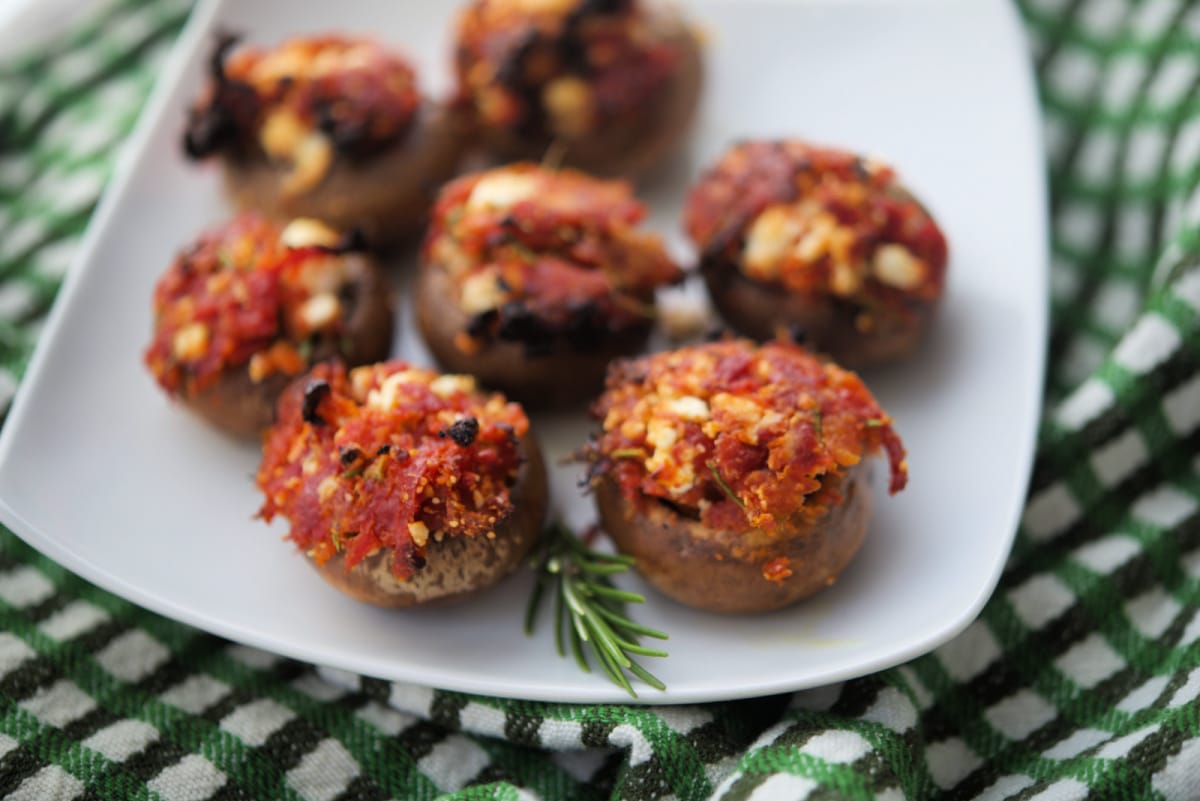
{"points": [[227, 122], [548, 260], [525, 59], [568, 49], [315, 391], [224, 123], [866, 246], [583, 327]]}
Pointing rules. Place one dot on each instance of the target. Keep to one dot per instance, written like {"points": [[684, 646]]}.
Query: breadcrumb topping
{"points": [[560, 69], [536, 254], [389, 456], [819, 221], [738, 435], [302, 102], [248, 293]]}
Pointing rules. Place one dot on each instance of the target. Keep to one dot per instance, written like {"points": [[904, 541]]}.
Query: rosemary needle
{"points": [[589, 612]]}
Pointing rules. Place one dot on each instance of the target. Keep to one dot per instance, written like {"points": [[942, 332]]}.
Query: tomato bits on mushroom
{"points": [[403, 486], [332, 127], [613, 83], [735, 473], [252, 304], [534, 279], [820, 241]]}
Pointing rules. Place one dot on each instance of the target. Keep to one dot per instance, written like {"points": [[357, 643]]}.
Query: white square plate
{"points": [[101, 473]]}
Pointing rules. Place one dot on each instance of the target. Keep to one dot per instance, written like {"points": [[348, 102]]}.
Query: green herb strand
{"points": [[589, 611], [725, 488]]}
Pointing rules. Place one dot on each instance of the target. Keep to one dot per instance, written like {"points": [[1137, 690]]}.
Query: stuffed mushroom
{"points": [[819, 241], [735, 473], [534, 279], [331, 127], [250, 305], [402, 486], [615, 83]]}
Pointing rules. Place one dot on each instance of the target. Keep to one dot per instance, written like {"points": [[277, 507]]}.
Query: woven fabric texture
{"points": [[1079, 680]]}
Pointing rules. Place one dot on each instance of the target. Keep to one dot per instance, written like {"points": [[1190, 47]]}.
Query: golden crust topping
{"points": [[536, 254], [560, 68], [821, 222], [389, 456], [740, 435], [303, 101], [248, 293]]}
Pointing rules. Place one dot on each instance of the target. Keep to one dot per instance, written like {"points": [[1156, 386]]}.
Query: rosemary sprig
{"points": [[725, 488], [589, 612]]}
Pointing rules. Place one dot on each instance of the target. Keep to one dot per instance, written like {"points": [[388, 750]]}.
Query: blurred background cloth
{"points": [[1079, 679], [25, 23]]}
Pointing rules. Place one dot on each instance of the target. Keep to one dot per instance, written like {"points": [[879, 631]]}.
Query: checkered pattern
{"points": [[1080, 678]]}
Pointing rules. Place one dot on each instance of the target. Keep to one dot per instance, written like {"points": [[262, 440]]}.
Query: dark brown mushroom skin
{"points": [[387, 196], [722, 571], [762, 311]]}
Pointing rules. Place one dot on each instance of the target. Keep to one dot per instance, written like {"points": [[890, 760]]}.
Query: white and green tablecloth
{"points": [[1079, 680]]}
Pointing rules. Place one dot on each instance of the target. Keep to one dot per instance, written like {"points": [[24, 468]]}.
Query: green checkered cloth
{"points": [[1079, 679]]}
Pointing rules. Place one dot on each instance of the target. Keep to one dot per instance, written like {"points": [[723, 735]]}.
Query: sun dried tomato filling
{"points": [[821, 222], [737, 435], [561, 68], [248, 293], [537, 254], [389, 456], [300, 102]]}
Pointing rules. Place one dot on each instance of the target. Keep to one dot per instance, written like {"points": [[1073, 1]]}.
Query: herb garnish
{"points": [[712, 468], [589, 608]]}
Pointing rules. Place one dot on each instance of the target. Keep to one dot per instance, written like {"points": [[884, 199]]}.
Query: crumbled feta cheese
{"points": [[895, 266], [304, 232], [384, 398], [481, 292], [311, 161], [445, 386], [844, 280], [326, 488], [320, 311], [689, 408], [190, 342], [502, 190], [281, 133], [741, 410], [419, 533], [360, 382], [771, 236], [817, 241], [568, 101]]}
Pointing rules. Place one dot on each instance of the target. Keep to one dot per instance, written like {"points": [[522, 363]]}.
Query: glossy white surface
{"points": [[100, 472]]}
